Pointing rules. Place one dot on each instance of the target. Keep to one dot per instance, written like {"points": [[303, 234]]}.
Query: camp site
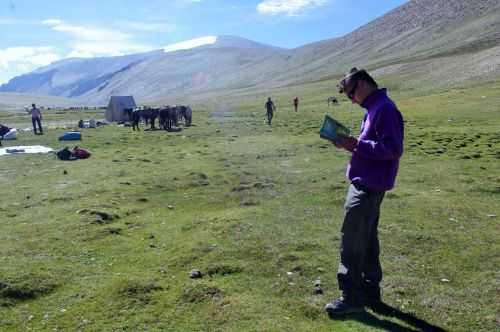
{"points": [[255, 179]]}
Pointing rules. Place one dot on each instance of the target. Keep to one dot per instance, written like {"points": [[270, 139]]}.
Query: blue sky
{"points": [[35, 33]]}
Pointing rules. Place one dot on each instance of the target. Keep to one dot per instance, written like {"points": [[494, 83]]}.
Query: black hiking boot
{"points": [[341, 307]]}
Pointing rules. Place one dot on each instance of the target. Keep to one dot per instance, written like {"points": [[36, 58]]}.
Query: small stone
{"points": [[65, 172], [289, 273], [445, 280], [320, 269], [317, 283], [492, 215], [171, 207], [151, 236], [195, 274]]}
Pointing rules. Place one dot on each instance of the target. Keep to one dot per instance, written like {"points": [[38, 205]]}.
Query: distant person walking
{"points": [[36, 118], [270, 109], [296, 103], [372, 171]]}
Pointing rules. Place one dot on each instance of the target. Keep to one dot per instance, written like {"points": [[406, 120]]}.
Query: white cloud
{"points": [[16, 60], [207, 40], [86, 33], [92, 42], [288, 7], [27, 57], [148, 27], [52, 21], [96, 49]]}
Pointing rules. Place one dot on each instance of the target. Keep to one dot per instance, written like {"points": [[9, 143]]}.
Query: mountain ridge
{"points": [[417, 31]]}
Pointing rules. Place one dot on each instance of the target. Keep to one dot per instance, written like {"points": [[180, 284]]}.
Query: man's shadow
{"points": [[418, 325]]}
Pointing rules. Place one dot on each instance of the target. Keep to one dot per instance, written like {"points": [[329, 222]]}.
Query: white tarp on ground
{"points": [[11, 150]]}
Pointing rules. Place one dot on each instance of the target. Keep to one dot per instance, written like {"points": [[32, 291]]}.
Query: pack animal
{"points": [[186, 113], [332, 100], [168, 117], [136, 118], [147, 114]]}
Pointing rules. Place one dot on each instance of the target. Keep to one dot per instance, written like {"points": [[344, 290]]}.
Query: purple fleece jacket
{"points": [[375, 161]]}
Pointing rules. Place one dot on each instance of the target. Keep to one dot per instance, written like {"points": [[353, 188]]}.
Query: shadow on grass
{"points": [[418, 325]]}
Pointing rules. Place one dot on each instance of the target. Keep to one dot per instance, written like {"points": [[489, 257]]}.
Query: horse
{"points": [[332, 100], [149, 115], [186, 113], [168, 117], [136, 117]]}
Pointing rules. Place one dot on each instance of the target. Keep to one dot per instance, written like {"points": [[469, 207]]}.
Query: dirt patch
{"points": [[199, 179], [200, 293], [27, 288], [223, 270], [98, 217], [286, 259], [138, 291]]}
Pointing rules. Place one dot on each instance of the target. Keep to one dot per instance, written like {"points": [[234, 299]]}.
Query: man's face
{"points": [[352, 91]]}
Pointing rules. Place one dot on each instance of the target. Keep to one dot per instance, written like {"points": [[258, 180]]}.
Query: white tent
{"points": [[117, 106]]}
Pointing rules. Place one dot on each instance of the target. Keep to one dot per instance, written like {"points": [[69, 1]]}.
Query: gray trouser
{"points": [[359, 248], [36, 121], [269, 116]]}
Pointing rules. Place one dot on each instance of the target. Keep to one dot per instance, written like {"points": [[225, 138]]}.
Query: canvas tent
{"points": [[117, 106]]}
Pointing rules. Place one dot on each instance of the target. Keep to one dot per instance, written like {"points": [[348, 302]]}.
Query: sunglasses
{"points": [[350, 95]]}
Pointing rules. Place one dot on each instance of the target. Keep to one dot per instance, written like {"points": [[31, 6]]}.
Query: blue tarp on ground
{"points": [[71, 136]]}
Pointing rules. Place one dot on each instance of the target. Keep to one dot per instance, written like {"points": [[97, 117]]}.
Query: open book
{"points": [[333, 130]]}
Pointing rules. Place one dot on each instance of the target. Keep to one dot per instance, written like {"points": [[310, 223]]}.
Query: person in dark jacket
{"points": [[371, 171], [296, 103], [270, 109]]}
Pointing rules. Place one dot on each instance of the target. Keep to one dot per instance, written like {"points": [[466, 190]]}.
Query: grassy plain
{"points": [[258, 210]]}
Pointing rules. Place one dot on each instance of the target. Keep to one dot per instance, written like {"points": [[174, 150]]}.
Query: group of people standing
{"points": [[372, 171], [271, 108]]}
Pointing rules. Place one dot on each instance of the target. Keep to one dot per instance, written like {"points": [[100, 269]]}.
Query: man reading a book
{"points": [[371, 171]]}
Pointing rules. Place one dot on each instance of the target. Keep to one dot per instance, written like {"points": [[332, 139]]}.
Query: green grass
{"points": [[246, 204]]}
